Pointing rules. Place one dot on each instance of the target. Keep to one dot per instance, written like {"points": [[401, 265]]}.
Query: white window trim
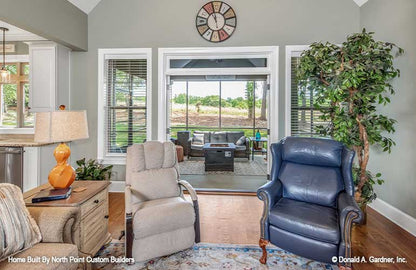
{"points": [[17, 58], [123, 53], [272, 70], [292, 50]]}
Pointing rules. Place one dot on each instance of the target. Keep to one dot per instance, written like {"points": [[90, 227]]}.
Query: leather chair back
{"points": [[311, 170], [152, 171]]}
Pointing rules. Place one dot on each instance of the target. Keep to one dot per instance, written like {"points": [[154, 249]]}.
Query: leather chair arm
{"points": [[269, 193], [348, 207], [272, 192], [56, 224]]}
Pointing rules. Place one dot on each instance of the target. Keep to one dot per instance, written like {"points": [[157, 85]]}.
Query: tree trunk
{"points": [[264, 101], [364, 156]]}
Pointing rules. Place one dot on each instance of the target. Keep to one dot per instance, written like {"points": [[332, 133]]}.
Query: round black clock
{"points": [[216, 21]]}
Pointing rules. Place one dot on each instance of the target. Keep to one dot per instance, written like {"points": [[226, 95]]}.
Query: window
{"points": [[14, 108], [124, 94], [302, 117], [239, 104]]}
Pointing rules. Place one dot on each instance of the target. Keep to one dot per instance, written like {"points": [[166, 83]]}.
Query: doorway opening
{"points": [[218, 115]]}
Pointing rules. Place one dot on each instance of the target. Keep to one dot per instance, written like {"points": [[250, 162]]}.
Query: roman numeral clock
{"points": [[216, 21]]}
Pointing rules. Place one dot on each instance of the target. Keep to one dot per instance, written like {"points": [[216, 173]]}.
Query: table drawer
{"points": [[93, 203], [94, 227]]}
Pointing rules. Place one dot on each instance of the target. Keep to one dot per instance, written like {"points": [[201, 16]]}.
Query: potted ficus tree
{"points": [[349, 82]]}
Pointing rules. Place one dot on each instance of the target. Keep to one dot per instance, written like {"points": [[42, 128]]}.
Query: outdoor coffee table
{"points": [[219, 156]]}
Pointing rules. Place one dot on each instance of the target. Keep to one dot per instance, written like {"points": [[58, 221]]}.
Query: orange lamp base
{"points": [[62, 175]]}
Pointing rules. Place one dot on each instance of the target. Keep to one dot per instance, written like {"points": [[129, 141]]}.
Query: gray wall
{"points": [[56, 20], [166, 23], [395, 21]]}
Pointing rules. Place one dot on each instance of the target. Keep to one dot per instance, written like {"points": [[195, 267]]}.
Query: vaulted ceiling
{"points": [[87, 5]]}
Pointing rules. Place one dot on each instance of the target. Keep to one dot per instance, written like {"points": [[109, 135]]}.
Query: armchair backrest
{"points": [[152, 171], [313, 170]]}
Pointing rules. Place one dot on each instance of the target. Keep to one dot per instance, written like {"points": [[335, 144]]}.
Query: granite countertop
{"points": [[19, 140]]}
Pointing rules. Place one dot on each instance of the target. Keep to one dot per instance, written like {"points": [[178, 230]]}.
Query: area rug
{"points": [[241, 167], [204, 256]]}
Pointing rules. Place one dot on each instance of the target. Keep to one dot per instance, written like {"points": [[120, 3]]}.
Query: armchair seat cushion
{"points": [[306, 219], [162, 215], [197, 147], [240, 147]]}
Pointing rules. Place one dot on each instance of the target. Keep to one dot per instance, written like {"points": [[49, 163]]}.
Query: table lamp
{"points": [[60, 127]]}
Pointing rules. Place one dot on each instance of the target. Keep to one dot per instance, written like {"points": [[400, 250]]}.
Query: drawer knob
{"points": [[106, 216], [96, 201]]}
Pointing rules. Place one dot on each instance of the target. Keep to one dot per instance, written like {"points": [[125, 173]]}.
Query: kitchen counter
{"points": [[19, 140]]}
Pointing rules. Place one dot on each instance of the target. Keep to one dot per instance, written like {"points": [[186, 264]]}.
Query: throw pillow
{"points": [[241, 141], [18, 228], [198, 139]]}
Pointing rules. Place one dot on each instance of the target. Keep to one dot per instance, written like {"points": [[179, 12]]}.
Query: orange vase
{"points": [[62, 175]]}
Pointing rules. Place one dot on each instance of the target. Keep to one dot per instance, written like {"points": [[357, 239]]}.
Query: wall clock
{"points": [[216, 21]]}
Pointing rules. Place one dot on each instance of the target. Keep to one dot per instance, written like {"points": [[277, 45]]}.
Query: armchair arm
{"points": [[129, 222], [269, 193], [348, 212], [348, 209], [190, 189], [194, 198], [56, 224], [127, 199]]}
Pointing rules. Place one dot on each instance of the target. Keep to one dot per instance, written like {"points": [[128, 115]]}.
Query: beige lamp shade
{"points": [[61, 126]]}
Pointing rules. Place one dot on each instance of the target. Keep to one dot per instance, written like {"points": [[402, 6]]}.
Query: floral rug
{"points": [[242, 166], [214, 256]]}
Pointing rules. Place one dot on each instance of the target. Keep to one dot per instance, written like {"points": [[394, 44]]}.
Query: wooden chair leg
{"points": [[263, 243]]}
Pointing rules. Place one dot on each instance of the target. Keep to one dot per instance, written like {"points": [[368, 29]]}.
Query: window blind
{"points": [[125, 99], [304, 117]]}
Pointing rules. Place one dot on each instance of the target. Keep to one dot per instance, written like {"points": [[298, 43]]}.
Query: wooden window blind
{"points": [[304, 117], [125, 103]]}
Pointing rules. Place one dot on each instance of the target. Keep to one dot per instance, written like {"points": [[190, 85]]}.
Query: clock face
{"points": [[216, 21]]}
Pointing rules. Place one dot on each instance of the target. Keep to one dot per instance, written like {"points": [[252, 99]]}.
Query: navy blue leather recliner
{"points": [[309, 203]]}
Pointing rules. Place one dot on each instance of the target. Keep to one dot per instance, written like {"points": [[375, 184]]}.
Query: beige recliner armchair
{"points": [[159, 221]]}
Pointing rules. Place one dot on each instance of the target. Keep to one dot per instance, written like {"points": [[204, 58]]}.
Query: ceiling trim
{"points": [[85, 5], [360, 2]]}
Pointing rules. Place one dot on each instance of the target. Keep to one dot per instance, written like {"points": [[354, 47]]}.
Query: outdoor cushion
{"points": [[197, 147], [241, 141], [218, 137], [233, 136], [306, 219], [240, 147], [198, 139], [207, 135]]}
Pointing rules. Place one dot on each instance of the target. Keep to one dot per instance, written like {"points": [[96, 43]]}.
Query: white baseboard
{"points": [[117, 186], [397, 216]]}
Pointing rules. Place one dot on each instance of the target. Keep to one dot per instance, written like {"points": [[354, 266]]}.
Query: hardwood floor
{"points": [[234, 219]]}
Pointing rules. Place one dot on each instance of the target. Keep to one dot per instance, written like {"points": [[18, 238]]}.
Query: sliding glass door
{"points": [[235, 104]]}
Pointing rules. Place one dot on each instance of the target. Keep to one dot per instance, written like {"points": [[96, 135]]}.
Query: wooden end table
{"points": [[92, 204]]}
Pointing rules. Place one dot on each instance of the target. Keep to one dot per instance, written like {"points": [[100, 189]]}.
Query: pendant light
{"points": [[4, 73]]}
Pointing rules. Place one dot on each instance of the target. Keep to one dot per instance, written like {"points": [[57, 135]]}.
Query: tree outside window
{"points": [[14, 106]]}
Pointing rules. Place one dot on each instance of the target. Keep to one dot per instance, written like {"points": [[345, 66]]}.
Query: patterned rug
{"points": [[205, 256], [241, 167]]}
